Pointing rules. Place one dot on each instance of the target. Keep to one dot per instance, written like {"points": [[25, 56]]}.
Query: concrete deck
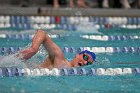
{"points": [[69, 11]]}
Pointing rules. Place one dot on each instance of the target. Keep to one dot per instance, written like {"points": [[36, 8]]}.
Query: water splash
{"points": [[13, 61]]}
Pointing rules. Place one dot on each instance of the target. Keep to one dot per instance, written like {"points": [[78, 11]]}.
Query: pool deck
{"points": [[69, 11]]}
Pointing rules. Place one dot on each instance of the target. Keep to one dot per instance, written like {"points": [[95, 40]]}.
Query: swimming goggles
{"points": [[86, 57]]}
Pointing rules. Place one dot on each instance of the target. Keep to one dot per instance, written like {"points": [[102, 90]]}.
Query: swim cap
{"points": [[90, 53]]}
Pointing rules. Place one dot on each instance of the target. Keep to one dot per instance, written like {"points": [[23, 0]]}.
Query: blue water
{"points": [[80, 84]]}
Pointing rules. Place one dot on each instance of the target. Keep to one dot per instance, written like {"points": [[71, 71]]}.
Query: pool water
{"points": [[80, 84]]}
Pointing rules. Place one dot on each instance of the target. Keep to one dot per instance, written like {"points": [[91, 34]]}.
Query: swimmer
{"points": [[55, 58]]}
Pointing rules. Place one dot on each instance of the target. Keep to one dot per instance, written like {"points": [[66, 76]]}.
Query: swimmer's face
{"points": [[83, 59]]}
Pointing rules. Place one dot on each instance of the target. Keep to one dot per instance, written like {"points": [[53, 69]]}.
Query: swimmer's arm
{"points": [[52, 48], [41, 37], [37, 40]]}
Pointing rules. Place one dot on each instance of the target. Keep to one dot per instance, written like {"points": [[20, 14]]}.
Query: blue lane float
{"points": [[10, 72], [11, 50], [20, 22]]}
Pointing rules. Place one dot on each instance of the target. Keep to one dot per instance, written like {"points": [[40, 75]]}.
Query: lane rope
{"points": [[92, 37], [67, 23], [109, 38], [23, 36], [11, 50], [10, 71]]}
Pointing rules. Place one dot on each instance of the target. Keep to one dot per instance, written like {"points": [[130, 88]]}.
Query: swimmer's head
{"points": [[92, 54], [84, 58]]}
